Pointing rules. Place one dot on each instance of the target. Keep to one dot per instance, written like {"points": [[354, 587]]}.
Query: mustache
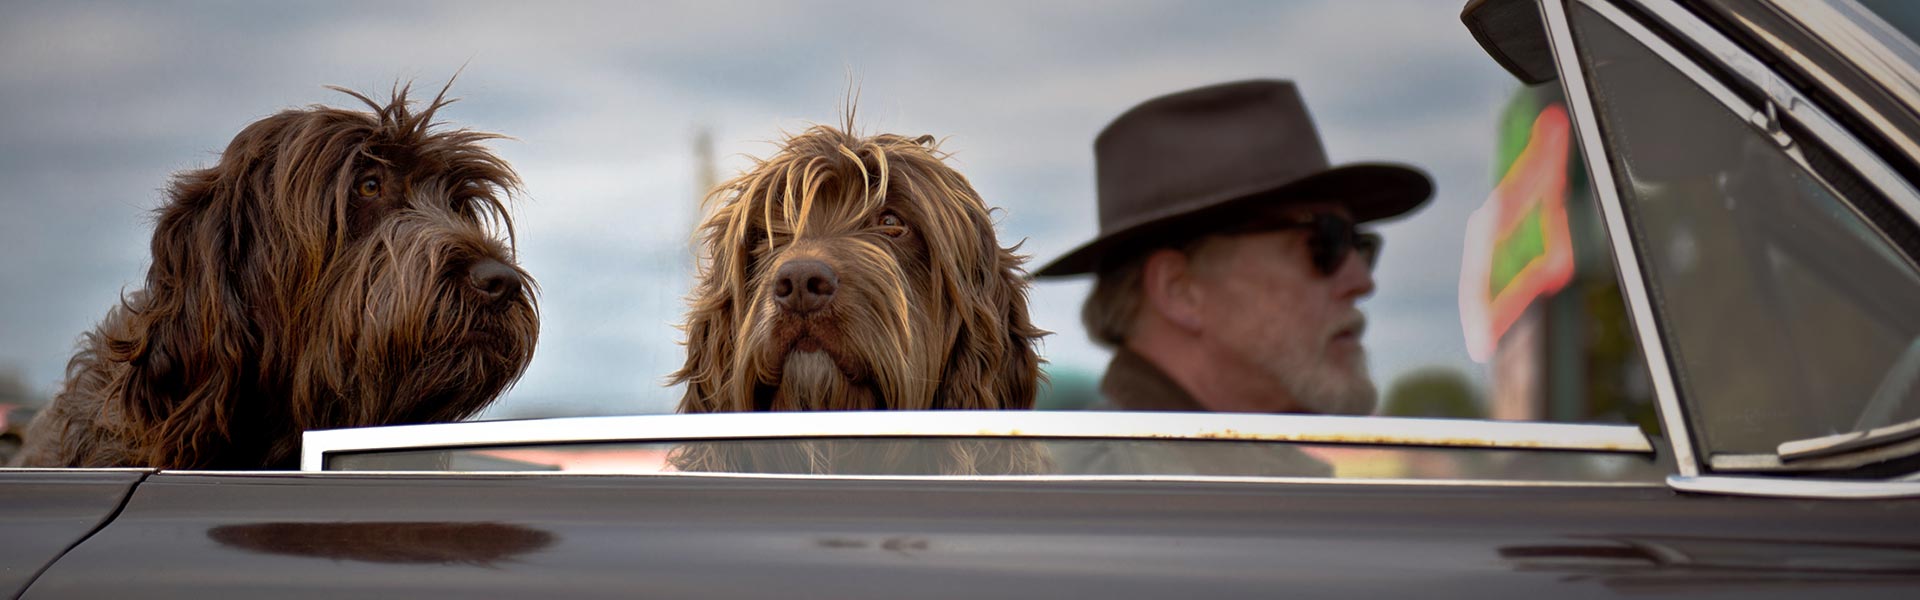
{"points": [[1355, 322]]}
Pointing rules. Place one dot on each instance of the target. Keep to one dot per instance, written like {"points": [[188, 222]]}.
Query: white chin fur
{"points": [[809, 379]]}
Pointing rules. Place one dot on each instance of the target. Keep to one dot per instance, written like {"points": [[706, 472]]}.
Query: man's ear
{"points": [[1167, 282]]}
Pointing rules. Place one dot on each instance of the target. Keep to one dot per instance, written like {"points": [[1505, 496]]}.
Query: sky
{"points": [[101, 101]]}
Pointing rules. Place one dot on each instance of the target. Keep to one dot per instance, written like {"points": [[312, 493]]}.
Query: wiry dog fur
{"points": [[929, 313], [334, 269], [927, 310]]}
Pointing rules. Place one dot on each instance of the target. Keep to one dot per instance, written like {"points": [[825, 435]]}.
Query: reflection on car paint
{"points": [[474, 544]]}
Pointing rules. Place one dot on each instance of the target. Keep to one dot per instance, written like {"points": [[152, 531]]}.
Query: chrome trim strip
{"points": [[6, 470], [1890, 448], [1863, 39], [1880, 122], [1774, 487], [1782, 95], [1847, 442], [1625, 258], [1495, 483], [316, 445], [1745, 462]]}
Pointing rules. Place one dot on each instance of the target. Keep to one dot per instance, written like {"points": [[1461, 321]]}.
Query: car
{"points": [[1739, 178]]}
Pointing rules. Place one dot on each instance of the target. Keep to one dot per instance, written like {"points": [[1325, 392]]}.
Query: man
{"points": [[1229, 264]]}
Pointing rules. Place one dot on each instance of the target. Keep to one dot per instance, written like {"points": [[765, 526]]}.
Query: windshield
{"points": [[1788, 315]]}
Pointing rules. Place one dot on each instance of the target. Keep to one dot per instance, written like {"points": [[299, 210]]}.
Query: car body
{"points": [[1756, 167]]}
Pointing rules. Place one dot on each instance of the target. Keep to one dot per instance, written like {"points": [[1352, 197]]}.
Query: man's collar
{"points": [[1133, 382]]}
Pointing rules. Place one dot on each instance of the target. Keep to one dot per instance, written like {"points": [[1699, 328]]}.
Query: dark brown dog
{"points": [[857, 273], [335, 269]]}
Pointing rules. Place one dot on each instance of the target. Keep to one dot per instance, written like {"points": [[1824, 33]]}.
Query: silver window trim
{"points": [[1884, 54], [1882, 450], [7, 470], [1625, 258], [1781, 98], [1848, 442], [1231, 479], [1774, 487], [1318, 429]]}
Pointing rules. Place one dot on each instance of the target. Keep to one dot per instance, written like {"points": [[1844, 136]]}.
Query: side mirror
{"points": [[1515, 35]]}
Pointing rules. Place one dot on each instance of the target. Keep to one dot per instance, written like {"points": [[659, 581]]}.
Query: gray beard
{"points": [[1327, 389]]}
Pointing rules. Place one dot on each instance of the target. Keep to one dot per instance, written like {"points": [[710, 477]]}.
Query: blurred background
{"points": [[623, 114]]}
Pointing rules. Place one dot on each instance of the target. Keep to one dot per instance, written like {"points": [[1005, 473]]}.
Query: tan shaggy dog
{"points": [[334, 269], [856, 273]]}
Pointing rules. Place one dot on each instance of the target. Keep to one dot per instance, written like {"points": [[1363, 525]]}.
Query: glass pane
{"points": [[1023, 456], [1784, 312]]}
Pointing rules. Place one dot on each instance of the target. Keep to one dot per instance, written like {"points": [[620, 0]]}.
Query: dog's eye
{"points": [[367, 188], [895, 227]]}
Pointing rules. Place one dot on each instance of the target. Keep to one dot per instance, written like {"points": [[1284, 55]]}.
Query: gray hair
{"points": [[1110, 310], [1115, 302]]}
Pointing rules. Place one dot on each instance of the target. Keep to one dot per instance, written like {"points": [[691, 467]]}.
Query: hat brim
{"points": [[1371, 191]]}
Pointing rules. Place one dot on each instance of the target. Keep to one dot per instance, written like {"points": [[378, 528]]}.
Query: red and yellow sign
{"points": [[1517, 244]]}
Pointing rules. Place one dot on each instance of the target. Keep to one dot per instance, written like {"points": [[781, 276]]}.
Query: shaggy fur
{"points": [[927, 310], [334, 269], [928, 314]]}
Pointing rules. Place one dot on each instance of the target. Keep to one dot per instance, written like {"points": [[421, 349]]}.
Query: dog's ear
{"points": [[713, 321], [710, 331], [1019, 376], [185, 338], [993, 364]]}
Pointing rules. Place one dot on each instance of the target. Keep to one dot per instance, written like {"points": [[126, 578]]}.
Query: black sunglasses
{"points": [[1331, 236]]}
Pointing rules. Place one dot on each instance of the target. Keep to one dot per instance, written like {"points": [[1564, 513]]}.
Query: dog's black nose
{"points": [[804, 286], [493, 279]]}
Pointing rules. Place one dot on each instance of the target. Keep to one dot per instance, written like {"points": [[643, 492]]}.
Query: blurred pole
{"points": [[705, 176]]}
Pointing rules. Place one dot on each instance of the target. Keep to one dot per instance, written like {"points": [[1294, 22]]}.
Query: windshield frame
{"points": [[1882, 53], [1647, 328]]}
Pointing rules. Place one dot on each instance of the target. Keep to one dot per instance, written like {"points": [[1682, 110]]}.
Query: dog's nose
{"points": [[804, 286], [493, 279]]}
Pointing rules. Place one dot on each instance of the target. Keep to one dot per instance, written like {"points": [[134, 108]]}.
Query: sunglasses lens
{"points": [[1333, 237], [1369, 246], [1328, 249]]}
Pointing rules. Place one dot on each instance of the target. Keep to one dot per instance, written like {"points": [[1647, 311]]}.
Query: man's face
{"points": [[1267, 306]]}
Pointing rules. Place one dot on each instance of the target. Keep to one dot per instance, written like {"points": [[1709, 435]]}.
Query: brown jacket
{"points": [[1134, 383]]}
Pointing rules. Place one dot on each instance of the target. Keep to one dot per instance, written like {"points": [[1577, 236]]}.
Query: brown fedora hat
{"points": [[1217, 155]]}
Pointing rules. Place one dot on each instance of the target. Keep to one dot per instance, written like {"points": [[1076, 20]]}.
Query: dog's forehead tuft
{"points": [[828, 176]]}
